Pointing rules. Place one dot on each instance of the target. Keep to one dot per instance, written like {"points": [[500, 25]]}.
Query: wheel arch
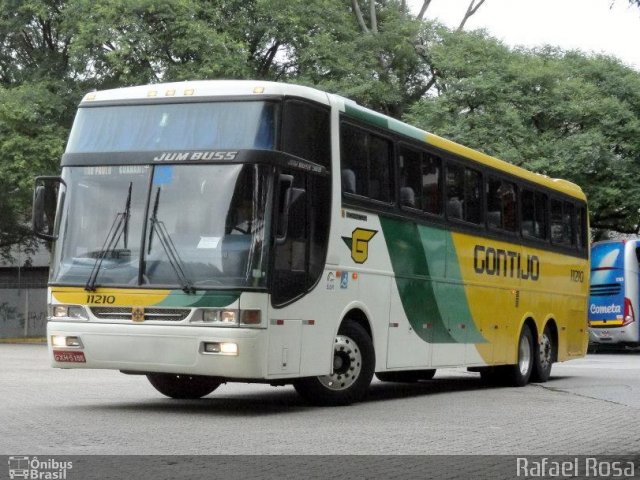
{"points": [[357, 314], [553, 327]]}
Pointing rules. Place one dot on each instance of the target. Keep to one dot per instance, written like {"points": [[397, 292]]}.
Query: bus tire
{"points": [[183, 386], [518, 375], [408, 376], [544, 356], [353, 366]]}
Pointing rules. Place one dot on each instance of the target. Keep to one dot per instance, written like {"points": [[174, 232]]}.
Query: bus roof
{"points": [[229, 88]]}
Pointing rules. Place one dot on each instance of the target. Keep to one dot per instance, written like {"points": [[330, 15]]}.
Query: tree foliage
{"points": [[563, 114], [560, 113]]}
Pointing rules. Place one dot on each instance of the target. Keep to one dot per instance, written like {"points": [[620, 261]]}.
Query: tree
{"points": [[563, 114], [38, 94]]}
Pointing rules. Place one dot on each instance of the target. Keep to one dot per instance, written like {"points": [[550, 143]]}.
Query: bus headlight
{"points": [[217, 317], [68, 312], [227, 318], [64, 341]]}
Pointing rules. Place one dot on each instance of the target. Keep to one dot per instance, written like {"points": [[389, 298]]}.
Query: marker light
{"points": [[250, 317]]}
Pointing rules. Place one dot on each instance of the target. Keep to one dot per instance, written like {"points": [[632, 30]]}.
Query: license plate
{"points": [[604, 333], [71, 357]]}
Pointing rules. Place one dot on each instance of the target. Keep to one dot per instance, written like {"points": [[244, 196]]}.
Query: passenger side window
{"points": [[534, 214], [581, 228], [501, 205], [366, 164], [306, 132], [561, 222], [455, 191], [355, 169], [472, 196], [409, 162], [432, 184], [464, 193], [420, 180]]}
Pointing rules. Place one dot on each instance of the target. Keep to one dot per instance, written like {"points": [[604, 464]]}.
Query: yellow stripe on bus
{"points": [[109, 296]]}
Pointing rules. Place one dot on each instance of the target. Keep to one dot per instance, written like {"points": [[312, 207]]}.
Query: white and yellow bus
{"points": [[245, 231]]}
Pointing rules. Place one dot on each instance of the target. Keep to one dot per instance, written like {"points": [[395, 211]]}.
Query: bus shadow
{"points": [[380, 391], [281, 401]]}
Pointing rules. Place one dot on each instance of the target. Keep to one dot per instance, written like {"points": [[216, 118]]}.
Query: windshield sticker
{"points": [[163, 175], [209, 242]]}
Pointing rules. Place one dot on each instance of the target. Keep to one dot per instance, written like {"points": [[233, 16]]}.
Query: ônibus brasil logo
{"points": [[36, 469]]}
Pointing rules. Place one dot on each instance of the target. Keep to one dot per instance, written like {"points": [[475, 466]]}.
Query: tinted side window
{"points": [[410, 175], [306, 132], [366, 164], [380, 180], [581, 228], [420, 180], [560, 230], [534, 214], [464, 193], [455, 190], [432, 184], [501, 205], [472, 196], [355, 170]]}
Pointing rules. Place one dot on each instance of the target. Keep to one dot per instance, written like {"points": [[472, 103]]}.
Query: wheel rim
{"points": [[546, 352], [347, 364], [524, 357]]}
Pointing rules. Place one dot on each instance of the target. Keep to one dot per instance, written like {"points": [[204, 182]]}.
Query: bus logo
{"points": [[359, 244]]}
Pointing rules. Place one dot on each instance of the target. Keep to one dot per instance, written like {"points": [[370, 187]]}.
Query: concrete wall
{"points": [[23, 313], [23, 302]]}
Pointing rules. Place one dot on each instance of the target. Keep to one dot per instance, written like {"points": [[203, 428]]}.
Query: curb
{"points": [[28, 340]]}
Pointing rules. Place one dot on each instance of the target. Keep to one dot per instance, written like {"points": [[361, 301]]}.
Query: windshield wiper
{"points": [[169, 247], [119, 228]]}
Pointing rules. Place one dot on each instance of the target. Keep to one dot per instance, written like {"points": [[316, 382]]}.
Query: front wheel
{"points": [[353, 366], [183, 386]]}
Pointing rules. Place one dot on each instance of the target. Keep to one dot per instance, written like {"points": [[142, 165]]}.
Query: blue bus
{"points": [[613, 299]]}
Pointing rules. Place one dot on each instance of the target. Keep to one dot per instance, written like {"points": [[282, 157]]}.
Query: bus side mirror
{"points": [[45, 197], [289, 197]]}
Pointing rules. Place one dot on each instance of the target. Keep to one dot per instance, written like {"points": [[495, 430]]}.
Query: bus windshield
{"points": [[179, 126], [199, 226]]}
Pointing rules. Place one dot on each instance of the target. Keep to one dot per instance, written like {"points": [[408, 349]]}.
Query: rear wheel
{"points": [[409, 376], [353, 365], [518, 375], [182, 386], [545, 355]]}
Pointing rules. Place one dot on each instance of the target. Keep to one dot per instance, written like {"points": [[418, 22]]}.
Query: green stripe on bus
{"points": [[177, 298], [438, 311], [410, 269], [367, 116]]}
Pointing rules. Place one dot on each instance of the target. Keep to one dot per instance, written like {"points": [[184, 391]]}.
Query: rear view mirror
{"points": [[288, 198], [45, 198]]}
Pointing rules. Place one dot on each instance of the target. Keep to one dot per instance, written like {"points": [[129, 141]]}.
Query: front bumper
{"points": [[612, 336], [166, 349]]}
